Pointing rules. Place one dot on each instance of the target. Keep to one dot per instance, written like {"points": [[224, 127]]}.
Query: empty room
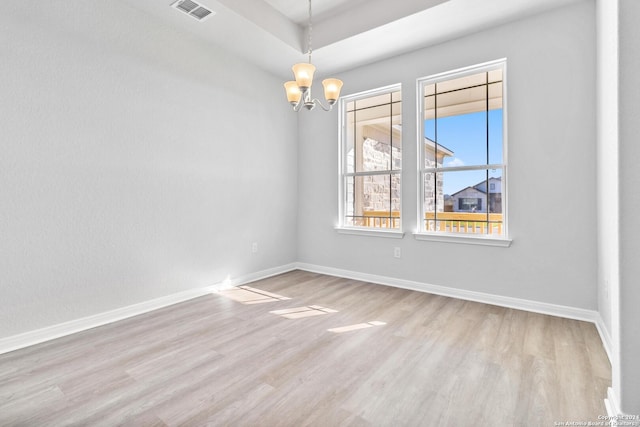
{"points": [[319, 213]]}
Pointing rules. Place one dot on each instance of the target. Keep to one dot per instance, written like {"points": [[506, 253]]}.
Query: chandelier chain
{"points": [[309, 46]]}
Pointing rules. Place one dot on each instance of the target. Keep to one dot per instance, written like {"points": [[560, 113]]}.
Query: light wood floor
{"points": [[216, 361]]}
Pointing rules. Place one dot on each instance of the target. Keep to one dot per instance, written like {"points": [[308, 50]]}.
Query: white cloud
{"points": [[454, 162]]}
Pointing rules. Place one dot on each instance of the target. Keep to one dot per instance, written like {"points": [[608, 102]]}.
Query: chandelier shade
{"points": [[299, 91], [332, 89], [293, 92], [303, 74]]}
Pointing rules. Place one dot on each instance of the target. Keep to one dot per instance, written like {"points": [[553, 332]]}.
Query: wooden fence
{"points": [[451, 222]]}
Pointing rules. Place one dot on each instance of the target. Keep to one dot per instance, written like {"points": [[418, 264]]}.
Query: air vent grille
{"points": [[193, 9], [201, 13]]}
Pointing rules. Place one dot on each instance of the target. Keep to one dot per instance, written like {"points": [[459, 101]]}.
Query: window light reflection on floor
{"points": [[356, 327], [249, 295], [299, 312]]}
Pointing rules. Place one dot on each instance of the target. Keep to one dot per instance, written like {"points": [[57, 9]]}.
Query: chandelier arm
{"points": [[318, 102], [298, 106], [305, 98]]}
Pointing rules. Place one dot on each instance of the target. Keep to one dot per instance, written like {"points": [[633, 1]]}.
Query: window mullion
{"points": [[435, 157], [487, 146], [462, 168], [370, 173]]}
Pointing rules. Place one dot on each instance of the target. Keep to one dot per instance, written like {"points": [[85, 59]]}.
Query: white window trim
{"points": [[485, 239], [374, 232], [341, 227]]}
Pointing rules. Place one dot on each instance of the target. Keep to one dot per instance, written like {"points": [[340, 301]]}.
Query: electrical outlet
{"points": [[254, 247], [396, 252]]}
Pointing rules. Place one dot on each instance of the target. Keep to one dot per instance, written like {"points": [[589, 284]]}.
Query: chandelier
{"points": [[299, 91]]}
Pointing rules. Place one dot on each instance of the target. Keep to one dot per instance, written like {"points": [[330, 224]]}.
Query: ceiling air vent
{"points": [[193, 9]]}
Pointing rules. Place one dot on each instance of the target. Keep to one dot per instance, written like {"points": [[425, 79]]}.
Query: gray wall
{"points": [[608, 278], [135, 163], [552, 160], [628, 383]]}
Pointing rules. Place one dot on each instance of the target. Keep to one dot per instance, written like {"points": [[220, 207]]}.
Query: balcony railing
{"points": [[450, 222], [378, 219]]}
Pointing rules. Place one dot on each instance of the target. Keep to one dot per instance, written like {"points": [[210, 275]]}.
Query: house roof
{"points": [[475, 187], [469, 188], [447, 152]]}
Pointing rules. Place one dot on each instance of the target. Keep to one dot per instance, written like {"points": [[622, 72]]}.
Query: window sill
{"points": [[370, 232], [468, 240]]}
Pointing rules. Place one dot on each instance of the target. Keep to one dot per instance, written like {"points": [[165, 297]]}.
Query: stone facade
{"points": [[433, 182], [380, 190]]}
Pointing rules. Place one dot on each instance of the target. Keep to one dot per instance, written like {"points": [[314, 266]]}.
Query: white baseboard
{"points": [[611, 403], [509, 302], [252, 277], [605, 337], [38, 336]]}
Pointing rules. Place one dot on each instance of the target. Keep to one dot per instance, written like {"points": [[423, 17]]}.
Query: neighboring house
{"points": [[474, 199]]}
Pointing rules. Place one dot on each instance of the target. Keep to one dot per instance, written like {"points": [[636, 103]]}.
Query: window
{"points": [[462, 155], [469, 205], [371, 160]]}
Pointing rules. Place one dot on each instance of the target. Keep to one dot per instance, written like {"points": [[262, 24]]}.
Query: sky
{"points": [[465, 135]]}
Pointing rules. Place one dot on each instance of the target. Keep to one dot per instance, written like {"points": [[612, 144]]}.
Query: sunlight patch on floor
{"points": [[356, 327], [249, 295], [306, 311]]}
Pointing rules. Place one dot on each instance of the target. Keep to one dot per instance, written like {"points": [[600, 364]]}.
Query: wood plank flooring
{"points": [[217, 361]]}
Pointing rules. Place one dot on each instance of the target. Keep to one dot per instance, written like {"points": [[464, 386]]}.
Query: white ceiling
{"points": [[298, 10], [346, 33]]}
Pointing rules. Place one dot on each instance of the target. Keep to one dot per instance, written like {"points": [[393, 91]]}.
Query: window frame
{"points": [[343, 173], [502, 240]]}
